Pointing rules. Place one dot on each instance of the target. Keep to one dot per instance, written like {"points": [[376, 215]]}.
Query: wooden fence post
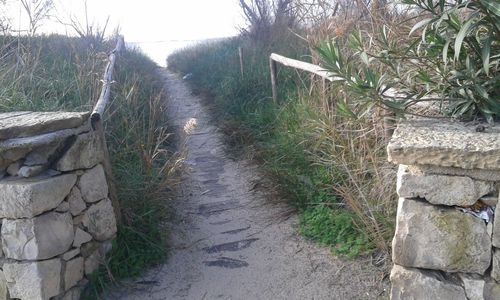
{"points": [[240, 52], [272, 67]]}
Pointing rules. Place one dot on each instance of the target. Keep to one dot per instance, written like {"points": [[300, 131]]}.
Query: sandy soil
{"points": [[226, 239]]}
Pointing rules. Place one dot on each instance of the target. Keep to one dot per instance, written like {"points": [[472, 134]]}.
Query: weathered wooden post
{"points": [[240, 52], [272, 67]]}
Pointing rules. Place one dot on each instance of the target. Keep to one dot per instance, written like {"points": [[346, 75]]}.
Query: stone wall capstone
{"points": [[57, 221], [447, 239]]}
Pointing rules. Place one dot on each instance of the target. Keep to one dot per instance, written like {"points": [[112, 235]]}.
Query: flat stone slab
{"points": [[42, 237], [409, 283], [440, 238], [23, 124], [441, 189], [30, 197], [37, 280], [446, 144]]}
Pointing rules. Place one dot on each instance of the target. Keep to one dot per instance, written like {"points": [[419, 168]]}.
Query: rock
{"points": [[439, 238], [89, 248], [42, 155], [76, 203], [81, 237], [478, 174], [85, 153], [4, 291], [105, 248], [14, 167], [93, 185], [441, 189], [78, 220], [72, 294], [33, 280], [489, 200], [70, 254], [41, 237], [32, 171], [73, 272], [409, 283], [63, 207], [100, 220], [92, 263], [446, 144], [492, 291], [473, 285], [14, 154], [26, 198], [495, 270], [496, 228], [33, 123]]}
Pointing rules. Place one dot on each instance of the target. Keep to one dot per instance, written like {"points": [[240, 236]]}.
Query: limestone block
{"points": [[41, 237], [4, 292], [446, 144], [92, 263], [31, 171], [479, 174], [88, 249], [73, 272], [15, 154], [63, 207], [76, 203], [473, 285], [70, 254], [100, 220], [85, 153], [81, 237], [32, 123], [441, 189], [14, 167], [495, 270], [409, 283], [72, 294], [93, 185], [26, 198], [492, 291], [439, 238], [42, 155], [36, 280], [496, 228]]}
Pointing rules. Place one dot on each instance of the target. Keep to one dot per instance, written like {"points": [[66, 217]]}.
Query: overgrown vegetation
{"points": [[311, 152], [326, 149], [48, 73]]}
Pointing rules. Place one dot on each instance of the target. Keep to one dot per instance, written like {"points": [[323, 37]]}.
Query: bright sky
{"points": [[157, 26]]}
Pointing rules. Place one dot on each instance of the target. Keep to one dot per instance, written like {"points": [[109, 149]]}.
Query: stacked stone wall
{"points": [[447, 239], [57, 219]]}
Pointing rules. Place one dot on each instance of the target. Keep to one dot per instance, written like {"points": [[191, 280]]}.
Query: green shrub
{"points": [[454, 60]]}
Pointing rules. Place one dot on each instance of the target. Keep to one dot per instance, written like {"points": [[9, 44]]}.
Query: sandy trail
{"points": [[227, 243]]}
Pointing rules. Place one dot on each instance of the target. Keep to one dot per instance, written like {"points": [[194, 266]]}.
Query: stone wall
{"points": [[57, 220], [447, 241]]}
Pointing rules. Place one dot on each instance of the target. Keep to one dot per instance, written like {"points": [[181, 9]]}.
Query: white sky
{"points": [[157, 26]]}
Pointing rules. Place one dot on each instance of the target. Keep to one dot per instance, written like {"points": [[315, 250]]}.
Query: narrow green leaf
{"points": [[461, 35], [485, 53], [420, 24], [493, 6]]}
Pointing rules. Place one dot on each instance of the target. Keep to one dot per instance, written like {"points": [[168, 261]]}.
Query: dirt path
{"points": [[227, 243]]}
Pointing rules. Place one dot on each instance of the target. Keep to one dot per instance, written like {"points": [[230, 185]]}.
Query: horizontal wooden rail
{"points": [[107, 80], [297, 64]]}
